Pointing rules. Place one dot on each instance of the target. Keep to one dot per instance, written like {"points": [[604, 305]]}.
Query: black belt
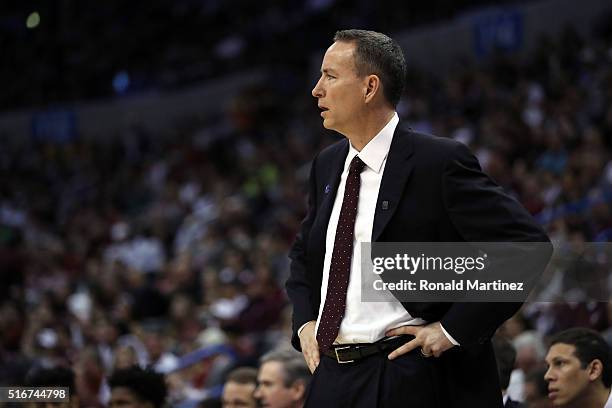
{"points": [[349, 353]]}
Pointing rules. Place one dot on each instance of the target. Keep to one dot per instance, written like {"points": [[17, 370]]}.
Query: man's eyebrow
{"points": [[557, 359], [328, 71]]}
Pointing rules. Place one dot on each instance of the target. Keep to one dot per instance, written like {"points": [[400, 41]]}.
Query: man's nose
{"points": [[317, 91], [548, 376]]}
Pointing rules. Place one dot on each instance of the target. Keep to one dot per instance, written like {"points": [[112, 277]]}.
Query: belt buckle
{"points": [[338, 357]]}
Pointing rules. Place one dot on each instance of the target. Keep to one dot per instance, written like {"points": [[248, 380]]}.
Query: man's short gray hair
{"points": [[294, 366], [376, 53]]}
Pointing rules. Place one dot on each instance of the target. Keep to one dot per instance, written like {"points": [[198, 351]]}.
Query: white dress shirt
{"points": [[609, 402], [363, 322]]}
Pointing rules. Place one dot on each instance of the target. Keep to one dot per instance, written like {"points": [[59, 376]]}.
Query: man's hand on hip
{"points": [[310, 347], [430, 338]]}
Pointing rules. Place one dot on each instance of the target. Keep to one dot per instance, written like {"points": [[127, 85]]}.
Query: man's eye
{"points": [[330, 76]]}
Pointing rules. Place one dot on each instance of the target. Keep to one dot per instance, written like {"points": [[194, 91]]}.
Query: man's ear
{"points": [[298, 390], [372, 87], [595, 369]]}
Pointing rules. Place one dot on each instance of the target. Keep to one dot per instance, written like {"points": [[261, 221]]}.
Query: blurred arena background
{"points": [[153, 158]]}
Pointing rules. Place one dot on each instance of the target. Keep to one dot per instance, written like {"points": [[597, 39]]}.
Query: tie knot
{"points": [[357, 165]]}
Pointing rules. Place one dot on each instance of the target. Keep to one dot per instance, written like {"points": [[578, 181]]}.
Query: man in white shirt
{"points": [[579, 370]]}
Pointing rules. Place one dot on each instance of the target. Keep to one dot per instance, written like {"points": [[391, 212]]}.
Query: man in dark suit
{"points": [[385, 184]]}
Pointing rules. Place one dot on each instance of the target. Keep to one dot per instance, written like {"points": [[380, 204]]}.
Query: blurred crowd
{"points": [[88, 51], [169, 251]]}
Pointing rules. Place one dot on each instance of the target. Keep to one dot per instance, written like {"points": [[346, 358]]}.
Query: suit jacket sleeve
{"points": [[482, 212], [299, 285]]}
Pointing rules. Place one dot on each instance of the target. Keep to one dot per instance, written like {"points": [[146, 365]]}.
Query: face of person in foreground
{"points": [[122, 397], [340, 92], [272, 391], [567, 380], [237, 395]]}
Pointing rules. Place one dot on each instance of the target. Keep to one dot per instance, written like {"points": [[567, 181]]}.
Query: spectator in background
{"points": [[239, 388], [90, 382], [579, 370], [536, 389], [155, 339], [137, 388], [282, 379], [530, 351], [54, 377], [505, 355], [125, 357]]}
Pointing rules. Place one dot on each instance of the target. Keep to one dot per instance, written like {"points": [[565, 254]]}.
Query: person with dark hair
{"points": [[283, 378], [535, 389], [383, 183], [54, 377], [137, 388], [505, 356], [239, 388], [579, 370]]}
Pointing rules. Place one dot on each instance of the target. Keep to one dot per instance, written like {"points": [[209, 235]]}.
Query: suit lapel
{"points": [[332, 183], [396, 173], [328, 189]]}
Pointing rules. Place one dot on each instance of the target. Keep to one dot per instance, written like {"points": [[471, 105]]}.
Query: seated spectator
{"points": [[125, 357], [137, 388], [54, 377], [239, 388], [579, 370], [283, 379], [90, 378], [535, 389], [505, 356]]}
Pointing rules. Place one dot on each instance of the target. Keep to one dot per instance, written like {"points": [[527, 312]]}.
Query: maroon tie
{"points": [[339, 271]]}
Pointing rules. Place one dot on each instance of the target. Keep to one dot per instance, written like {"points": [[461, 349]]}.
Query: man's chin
{"points": [[327, 124], [556, 401]]}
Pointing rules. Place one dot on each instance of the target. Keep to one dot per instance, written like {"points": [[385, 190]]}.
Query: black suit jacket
{"points": [[435, 192], [514, 404]]}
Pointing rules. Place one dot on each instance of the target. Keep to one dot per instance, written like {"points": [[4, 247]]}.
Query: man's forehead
{"points": [[270, 370], [338, 53], [342, 47], [561, 350], [236, 386]]}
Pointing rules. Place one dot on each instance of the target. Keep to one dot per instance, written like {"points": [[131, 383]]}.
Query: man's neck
{"points": [[371, 125], [595, 399]]}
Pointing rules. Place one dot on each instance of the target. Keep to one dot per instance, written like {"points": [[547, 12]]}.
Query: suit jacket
{"points": [[435, 192], [510, 403]]}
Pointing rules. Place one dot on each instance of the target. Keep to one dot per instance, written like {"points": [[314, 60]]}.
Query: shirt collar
{"points": [[375, 152]]}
